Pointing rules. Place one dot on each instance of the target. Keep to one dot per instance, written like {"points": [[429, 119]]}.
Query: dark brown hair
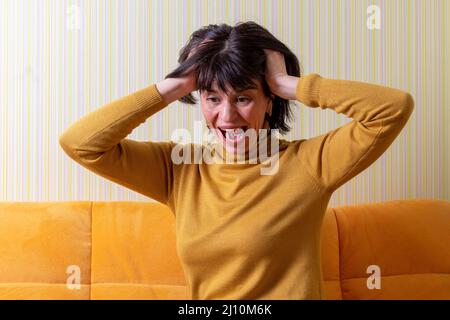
{"points": [[234, 56]]}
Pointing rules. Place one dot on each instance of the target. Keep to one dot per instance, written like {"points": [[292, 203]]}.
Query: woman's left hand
{"points": [[275, 67], [280, 83]]}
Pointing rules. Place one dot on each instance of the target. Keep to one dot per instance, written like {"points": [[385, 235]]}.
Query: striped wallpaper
{"points": [[61, 59]]}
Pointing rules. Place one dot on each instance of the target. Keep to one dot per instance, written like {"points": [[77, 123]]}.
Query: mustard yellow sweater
{"points": [[240, 234]]}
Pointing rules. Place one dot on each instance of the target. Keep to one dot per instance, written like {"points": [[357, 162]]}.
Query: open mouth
{"points": [[233, 134]]}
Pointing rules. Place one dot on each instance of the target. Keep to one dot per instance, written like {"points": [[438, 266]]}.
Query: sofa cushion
{"points": [[43, 247], [408, 240], [134, 252], [330, 257]]}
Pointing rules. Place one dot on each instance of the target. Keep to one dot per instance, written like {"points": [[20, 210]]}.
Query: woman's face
{"points": [[245, 110]]}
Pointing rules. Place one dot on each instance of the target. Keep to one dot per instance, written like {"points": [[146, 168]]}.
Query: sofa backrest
{"points": [[119, 250], [406, 242], [126, 250]]}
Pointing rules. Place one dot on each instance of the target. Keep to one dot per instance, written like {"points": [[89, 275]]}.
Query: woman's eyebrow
{"points": [[239, 91]]}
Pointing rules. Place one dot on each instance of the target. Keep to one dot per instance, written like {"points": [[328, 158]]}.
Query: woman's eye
{"points": [[239, 99], [243, 99]]}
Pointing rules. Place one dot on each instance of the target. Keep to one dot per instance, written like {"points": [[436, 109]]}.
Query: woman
{"points": [[241, 234]]}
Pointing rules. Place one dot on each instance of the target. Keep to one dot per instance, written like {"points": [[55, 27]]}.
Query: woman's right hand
{"points": [[191, 77], [172, 89]]}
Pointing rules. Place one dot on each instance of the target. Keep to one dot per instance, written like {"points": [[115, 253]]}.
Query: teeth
{"points": [[231, 134]]}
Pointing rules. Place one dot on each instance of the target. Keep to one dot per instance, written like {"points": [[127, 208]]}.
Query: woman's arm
{"points": [[379, 114], [97, 141]]}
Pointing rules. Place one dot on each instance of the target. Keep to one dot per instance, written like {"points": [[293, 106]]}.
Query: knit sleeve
{"points": [[379, 114], [98, 142]]}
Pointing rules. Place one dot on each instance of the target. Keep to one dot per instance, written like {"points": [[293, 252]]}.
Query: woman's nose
{"points": [[229, 112]]}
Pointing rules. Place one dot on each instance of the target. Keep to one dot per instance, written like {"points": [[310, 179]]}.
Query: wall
{"points": [[63, 59]]}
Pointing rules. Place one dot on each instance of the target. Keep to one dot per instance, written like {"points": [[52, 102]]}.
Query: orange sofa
{"points": [[127, 250]]}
